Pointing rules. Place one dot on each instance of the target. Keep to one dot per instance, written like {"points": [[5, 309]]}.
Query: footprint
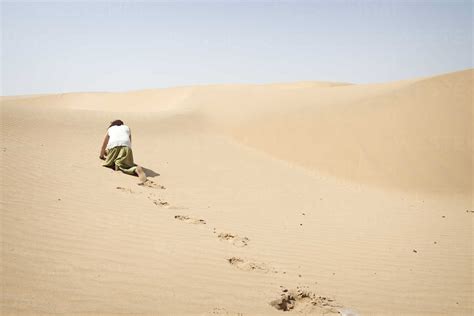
{"points": [[303, 300], [151, 184], [125, 189], [165, 204], [189, 220], [159, 202], [235, 239], [245, 265]]}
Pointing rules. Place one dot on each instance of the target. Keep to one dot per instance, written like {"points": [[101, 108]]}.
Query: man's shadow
{"points": [[150, 173]]}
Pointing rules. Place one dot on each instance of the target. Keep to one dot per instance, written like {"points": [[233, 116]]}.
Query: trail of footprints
{"points": [[234, 239], [300, 299]]}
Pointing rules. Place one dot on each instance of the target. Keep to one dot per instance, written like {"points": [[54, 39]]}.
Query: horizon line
{"points": [[338, 83]]}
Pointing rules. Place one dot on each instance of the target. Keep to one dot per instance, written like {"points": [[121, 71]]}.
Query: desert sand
{"points": [[311, 197]]}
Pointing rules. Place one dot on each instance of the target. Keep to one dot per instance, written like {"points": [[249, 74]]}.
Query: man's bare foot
{"points": [[141, 174]]}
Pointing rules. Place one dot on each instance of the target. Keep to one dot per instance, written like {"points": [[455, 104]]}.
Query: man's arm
{"points": [[104, 145]]}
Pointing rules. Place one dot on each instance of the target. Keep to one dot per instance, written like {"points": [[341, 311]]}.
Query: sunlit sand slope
{"points": [[310, 197]]}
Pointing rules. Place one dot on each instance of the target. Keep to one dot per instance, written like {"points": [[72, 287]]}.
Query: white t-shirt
{"points": [[118, 136]]}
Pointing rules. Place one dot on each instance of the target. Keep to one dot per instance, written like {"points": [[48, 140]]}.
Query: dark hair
{"points": [[116, 123]]}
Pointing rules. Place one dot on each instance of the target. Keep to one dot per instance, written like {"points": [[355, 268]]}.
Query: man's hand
{"points": [[103, 151]]}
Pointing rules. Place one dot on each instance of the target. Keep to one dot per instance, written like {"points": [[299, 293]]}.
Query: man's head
{"points": [[116, 123]]}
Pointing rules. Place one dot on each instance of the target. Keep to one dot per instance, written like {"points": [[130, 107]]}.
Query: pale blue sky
{"points": [[54, 47]]}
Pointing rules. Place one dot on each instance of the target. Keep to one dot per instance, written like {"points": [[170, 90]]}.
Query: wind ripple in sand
{"points": [[223, 311], [189, 220], [235, 239]]}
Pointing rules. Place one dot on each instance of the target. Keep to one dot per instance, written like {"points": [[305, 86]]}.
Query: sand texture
{"points": [[299, 198]]}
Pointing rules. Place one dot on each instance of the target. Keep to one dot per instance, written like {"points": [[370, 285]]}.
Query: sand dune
{"points": [[414, 137], [307, 197]]}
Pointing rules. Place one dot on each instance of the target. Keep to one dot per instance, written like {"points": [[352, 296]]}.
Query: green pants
{"points": [[120, 158]]}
